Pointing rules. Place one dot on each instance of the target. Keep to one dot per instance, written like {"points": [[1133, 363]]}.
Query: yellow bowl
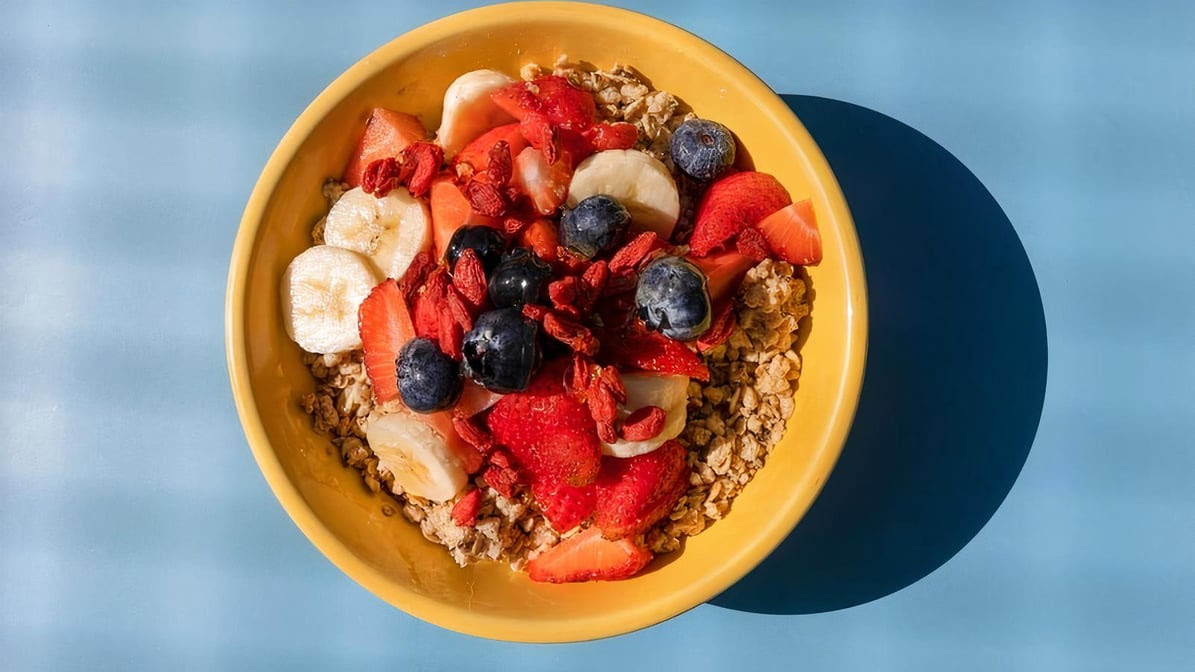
{"points": [[387, 555]]}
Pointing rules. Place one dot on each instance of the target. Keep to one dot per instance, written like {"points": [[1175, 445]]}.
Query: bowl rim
{"points": [[458, 617]]}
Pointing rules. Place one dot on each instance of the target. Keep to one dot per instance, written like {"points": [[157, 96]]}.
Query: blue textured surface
{"points": [[136, 532]]}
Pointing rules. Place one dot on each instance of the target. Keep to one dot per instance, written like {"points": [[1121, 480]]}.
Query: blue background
{"points": [[136, 532]]}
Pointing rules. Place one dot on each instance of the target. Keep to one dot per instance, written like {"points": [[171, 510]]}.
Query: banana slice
{"points": [[642, 184], [669, 392], [468, 110], [390, 230], [416, 454], [321, 291]]}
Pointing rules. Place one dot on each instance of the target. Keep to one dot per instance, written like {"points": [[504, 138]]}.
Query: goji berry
{"points": [[534, 311], [464, 512], [501, 165], [457, 309], [468, 276], [473, 433], [627, 259], [723, 323], [643, 424], [485, 198], [609, 378], [604, 411], [577, 381], [426, 158], [421, 266], [541, 134], [573, 334], [381, 176]]}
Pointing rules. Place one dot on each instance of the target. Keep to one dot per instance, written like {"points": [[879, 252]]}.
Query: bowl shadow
{"points": [[955, 381]]}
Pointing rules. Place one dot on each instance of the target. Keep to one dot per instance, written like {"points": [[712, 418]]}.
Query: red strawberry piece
{"points": [[547, 431], [386, 134], [429, 302], [564, 506], [385, 326], [643, 423], [587, 556], [724, 322], [541, 134], [751, 244], [732, 204], [639, 348], [619, 135], [544, 182], [427, 157], [566, 105], [477, 152], [469, 279], [634, 493], [792, 234], [516, 99], [724, 273], [464, 512]]}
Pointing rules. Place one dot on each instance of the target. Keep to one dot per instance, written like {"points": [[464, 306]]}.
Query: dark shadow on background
{"points": [[956, 373]]}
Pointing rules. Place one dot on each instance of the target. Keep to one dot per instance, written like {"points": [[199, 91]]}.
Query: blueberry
{"points": [[502, 351], [672, 298], [703, 149], [428, 379], [596, 225], [519, 278], [487, 242]]}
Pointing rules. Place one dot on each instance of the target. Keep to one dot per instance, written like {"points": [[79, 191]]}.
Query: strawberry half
{"points": [[724, 273], [564, 506], [639, 348], [634, 493], [587, 556], [545, 183], [385, 326], [792, 234], [566, 105], [732, 204], [549, 433]]}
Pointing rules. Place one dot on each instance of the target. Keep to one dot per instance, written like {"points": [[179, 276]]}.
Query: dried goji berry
{"points": [[643, 424], [501, 165], [751, 244], [381, 176], [594, 281], [464, 512], [513, 226], [534, 311], [573, 334], [426, 158], [541, 134], [569, 262], [485, 198], [627, 259], [563, 294], [723, 323], [604, 411], [457, 309], [609, 378], [421, 266], [473, 433], [468, 276], [577, 381], [450, 335]]}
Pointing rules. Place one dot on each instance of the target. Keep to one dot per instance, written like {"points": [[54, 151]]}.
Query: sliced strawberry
{"points": [[634, 493], [516, 99], [566, 105], [548, 432], [386, 134], [450, 211], [542, 238], [546, 184], [564, 506], [724, 273], [477, 153], [587, 556], [619, 135], [792, 234], [385, 326], [639, 348], [732, 204]]}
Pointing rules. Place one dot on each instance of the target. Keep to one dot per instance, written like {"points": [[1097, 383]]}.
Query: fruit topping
{"points": [[469, 110], [548, 432], [544, 182], [671, 298], [647, 391], [428, 380], [486, 242], [386, 134], [639, 182], [639, 348], [565, 506], [595, 225], [732, 204], [587, 556], [464, 512], [477, 153], [792, 234], [322, 289], [385, 326], [702, 149], [633, 493], [390, 230], [417, 452], [643, 424], [502, 350], [518, 279]]}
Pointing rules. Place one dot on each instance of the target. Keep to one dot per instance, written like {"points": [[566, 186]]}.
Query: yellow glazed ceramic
{"points": [[328, 502]]}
